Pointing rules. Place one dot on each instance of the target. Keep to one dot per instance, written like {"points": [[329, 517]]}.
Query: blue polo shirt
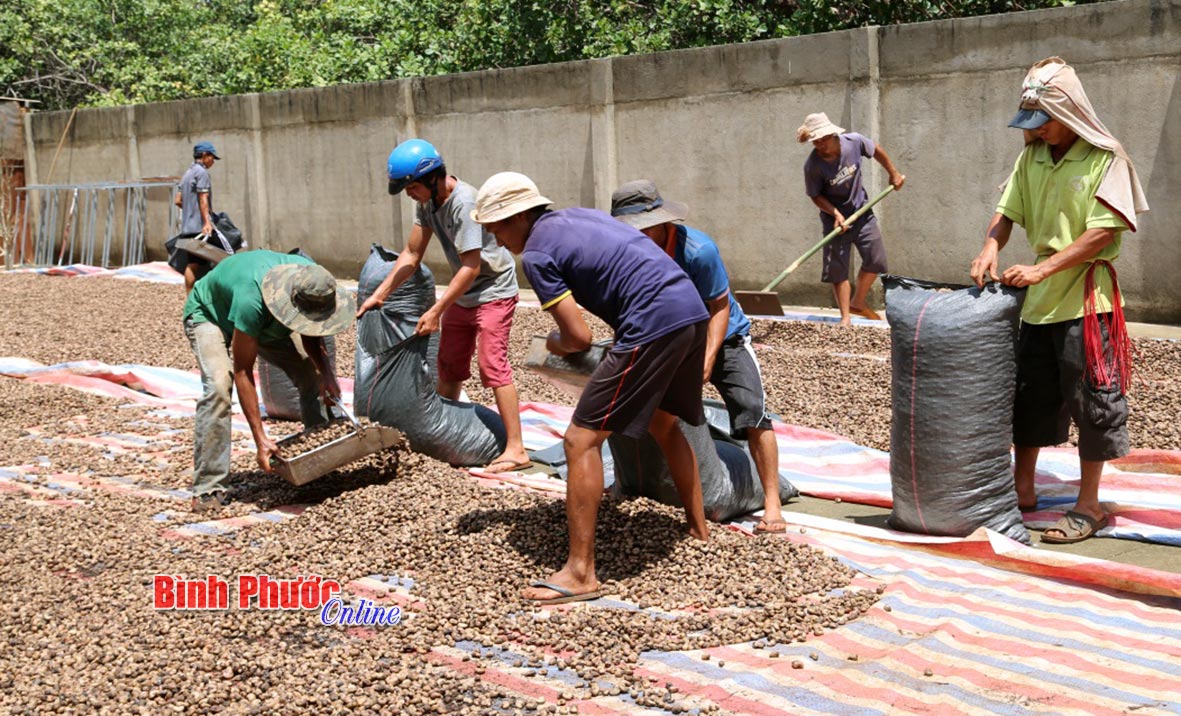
{"points": [[611, 270], [698, 256]]}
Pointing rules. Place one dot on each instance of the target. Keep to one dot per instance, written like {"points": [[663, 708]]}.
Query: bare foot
{"points": [[846, 321]]}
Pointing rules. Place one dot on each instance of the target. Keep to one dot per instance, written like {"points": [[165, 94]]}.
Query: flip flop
{"points": [[567, 595], [761, 530], [511, 466], [1075, 527], [866, 313]]}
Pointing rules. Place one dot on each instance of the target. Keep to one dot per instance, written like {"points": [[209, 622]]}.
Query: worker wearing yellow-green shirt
{"points": [[1075, 192]]}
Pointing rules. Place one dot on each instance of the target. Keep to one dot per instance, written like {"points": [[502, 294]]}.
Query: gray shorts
{"points": [[737, 377], [867, 237], [1052, 390]]}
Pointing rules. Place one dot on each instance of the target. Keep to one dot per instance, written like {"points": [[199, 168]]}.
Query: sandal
{"points": [[1075, 527], [768, 527]]}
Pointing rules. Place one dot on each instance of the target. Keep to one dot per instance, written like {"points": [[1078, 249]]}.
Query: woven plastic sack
{"points": [[730, 483], [953, 355], [396, 380]]}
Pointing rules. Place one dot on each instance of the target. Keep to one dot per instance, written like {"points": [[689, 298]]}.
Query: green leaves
{"points": [[107, 52]]}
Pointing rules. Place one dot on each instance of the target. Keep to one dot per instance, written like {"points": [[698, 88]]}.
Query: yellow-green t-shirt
{"points": [[1056, 203]]}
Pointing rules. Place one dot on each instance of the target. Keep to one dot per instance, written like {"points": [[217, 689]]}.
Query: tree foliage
{"points": [[69, 53]]}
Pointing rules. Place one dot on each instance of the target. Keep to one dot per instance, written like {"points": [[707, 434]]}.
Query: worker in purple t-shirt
{"points": [[833, 180], [650, 377]]}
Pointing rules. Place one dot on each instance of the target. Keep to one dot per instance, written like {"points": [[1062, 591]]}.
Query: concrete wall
{"points": [[714, 127]]}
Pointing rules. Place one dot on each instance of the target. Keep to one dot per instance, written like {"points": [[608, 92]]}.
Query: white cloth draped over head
{"points": [[1052, 86]]}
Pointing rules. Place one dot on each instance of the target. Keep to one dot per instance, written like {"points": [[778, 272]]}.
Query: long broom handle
{"points": [[832, 235]]}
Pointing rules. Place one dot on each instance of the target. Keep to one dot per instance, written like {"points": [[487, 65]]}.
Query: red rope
{"points": [[1105, 367]]}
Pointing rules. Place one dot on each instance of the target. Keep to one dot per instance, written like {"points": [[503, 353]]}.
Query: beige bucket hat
{"points": [[504, 195], [638, 203], [306, 299], [816, 126]]}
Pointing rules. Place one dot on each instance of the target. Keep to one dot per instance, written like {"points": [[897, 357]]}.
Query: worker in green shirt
{"points": [[1075, 192], [250, 304]]}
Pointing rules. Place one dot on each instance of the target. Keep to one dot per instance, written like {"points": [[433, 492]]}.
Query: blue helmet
{"points": [[410, 161]]}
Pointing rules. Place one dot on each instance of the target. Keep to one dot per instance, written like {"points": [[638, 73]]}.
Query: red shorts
{"points": [[485, 327]]}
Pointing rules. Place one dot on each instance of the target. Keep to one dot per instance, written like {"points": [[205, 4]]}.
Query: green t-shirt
{"points": [[231, 296], [1056, 203]]}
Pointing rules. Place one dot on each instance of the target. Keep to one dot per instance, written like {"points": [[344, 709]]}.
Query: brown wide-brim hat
{"points": [[639, 204], [306, 299]]}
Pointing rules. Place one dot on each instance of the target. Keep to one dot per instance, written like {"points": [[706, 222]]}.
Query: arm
{"points": [[719, 321], [826, 206], [177, 201], [203, 202], [460, 283], [897, 179], [573, 335], [245, 351], [407, 263], [994, 240], [318, 352], [1085, 247]]}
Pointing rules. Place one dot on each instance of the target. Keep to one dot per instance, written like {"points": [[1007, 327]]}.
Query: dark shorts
{"points": [[629, 386], [736, 376], [1052, 390], [867, 237]]}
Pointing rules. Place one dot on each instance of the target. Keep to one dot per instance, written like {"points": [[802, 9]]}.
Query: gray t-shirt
{"points": [[195, 181], [839, 181], [452, 223]]}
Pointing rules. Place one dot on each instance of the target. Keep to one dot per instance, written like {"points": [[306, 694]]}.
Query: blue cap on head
{"points": [[410, 161], [1029, 119], [204, 148]]}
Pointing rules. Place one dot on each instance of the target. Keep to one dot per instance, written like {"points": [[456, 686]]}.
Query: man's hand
{"points": [[839, 220], [1022, 276], [553, 344], [897, 179], [207, 228], [266, 449], [429, 322], [709, 370], [374, 301], [984, 265]]}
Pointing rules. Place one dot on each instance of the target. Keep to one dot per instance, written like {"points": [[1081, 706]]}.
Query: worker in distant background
{"points": [[194, 197], [250, 304], [1075, 192], [476, 310], [833, 180], [730, 363]]}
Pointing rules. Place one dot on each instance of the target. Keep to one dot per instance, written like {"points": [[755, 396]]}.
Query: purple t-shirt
{"points": [[839, 181], [611, 270]]}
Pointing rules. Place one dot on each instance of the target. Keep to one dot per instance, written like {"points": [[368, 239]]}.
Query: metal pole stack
{"points": [[67, 222]]}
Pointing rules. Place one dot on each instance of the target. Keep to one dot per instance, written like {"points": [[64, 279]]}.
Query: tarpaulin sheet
{"points": [[980, 625]]}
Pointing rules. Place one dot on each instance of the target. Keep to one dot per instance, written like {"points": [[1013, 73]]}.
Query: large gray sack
{"points": [[280, 397], [953, 356], [730, 483], [395, 374]]}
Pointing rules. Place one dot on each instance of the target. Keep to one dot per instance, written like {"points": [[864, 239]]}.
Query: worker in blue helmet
{"points": [[476, 310]]}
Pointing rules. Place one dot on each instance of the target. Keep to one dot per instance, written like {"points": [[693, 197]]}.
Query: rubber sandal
{"points": [[1075, 527], [512, 467], [760, 529], [567, 595]]}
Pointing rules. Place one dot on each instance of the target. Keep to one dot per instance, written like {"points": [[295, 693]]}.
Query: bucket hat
{"points": [[816, 126], [639, 204], [306, 299], [504, 195]]}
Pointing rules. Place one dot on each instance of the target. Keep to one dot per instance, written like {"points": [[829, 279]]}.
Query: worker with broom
{"points": [[833, 180]]}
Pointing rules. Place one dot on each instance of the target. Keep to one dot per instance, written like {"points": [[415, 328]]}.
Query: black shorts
{"points": [[629, 386], [738, 380], [867, 237], [1052, 390]]}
